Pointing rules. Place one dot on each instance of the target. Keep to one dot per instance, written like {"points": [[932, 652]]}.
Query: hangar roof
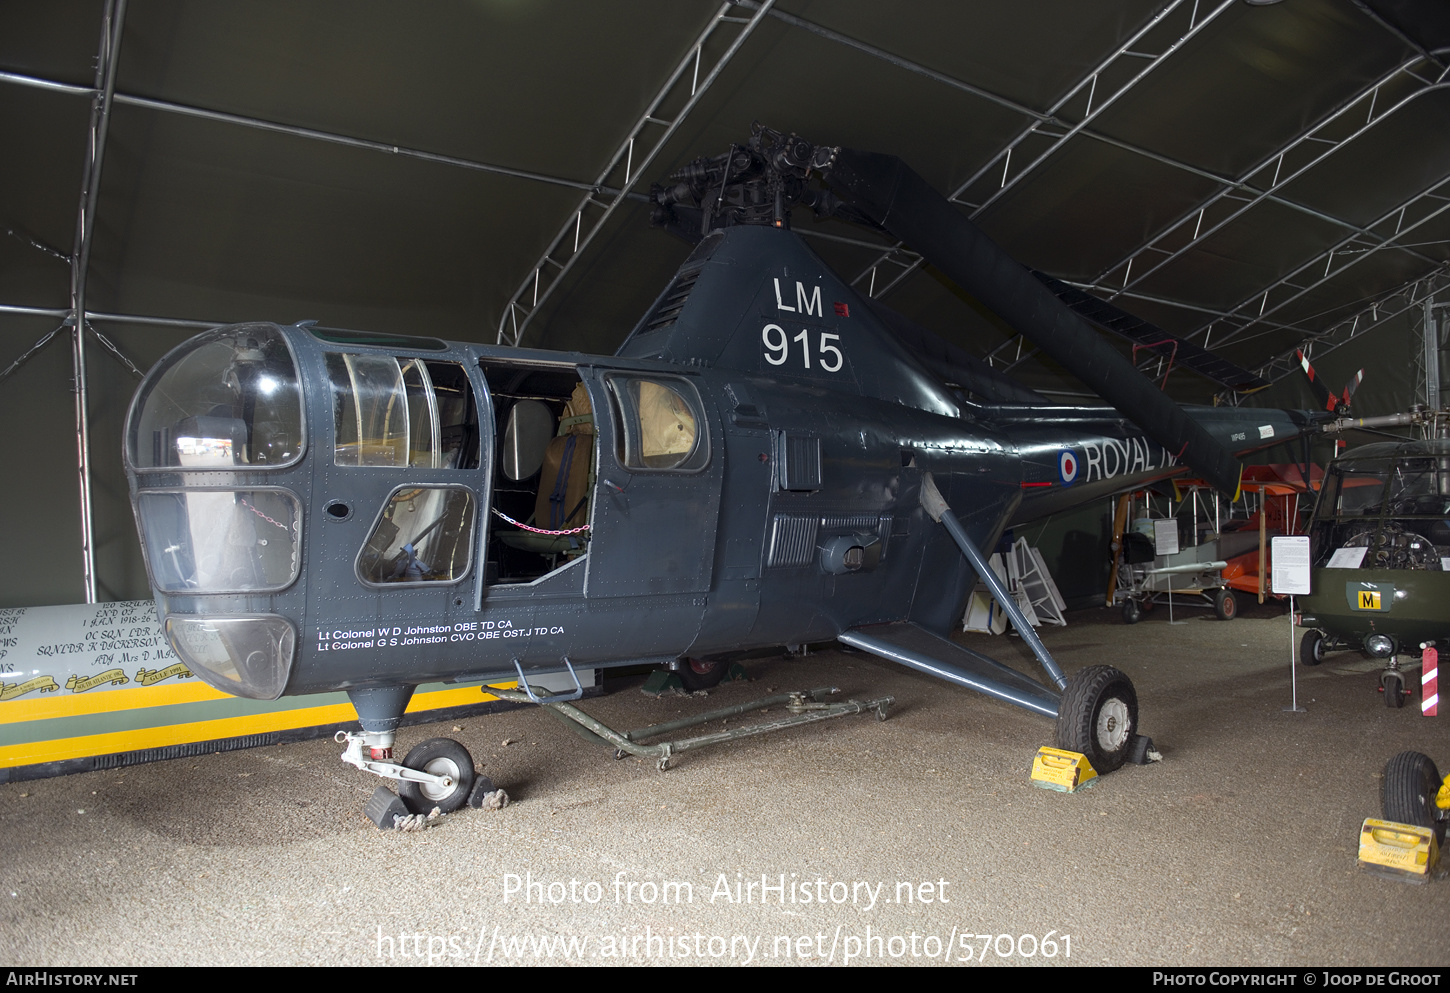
{"points": [[1249, 174]]}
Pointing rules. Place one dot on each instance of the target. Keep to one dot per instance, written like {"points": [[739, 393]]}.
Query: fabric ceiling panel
{"points": [[542, 85], [1403, 154], [1254, 78], [1257, 249], [1120, 197], [988, 43], [208, 220], [40, 182], [50, 39]]}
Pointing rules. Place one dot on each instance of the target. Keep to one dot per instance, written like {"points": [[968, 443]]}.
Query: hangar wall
{"points": [[37, 402]]}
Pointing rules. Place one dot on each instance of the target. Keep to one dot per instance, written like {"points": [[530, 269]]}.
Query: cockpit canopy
{"points": [[230, 398], [1386, 507]]}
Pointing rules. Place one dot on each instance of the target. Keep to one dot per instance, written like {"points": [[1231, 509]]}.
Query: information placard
{"points": [[1165, 536], [1290, 563]]}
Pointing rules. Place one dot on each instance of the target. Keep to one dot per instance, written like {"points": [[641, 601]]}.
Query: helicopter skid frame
{"points": [[805, 706]]}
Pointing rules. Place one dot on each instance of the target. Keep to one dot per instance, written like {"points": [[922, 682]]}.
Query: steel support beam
{"points": [[1196, 217], [1254, 309], [906, 262], [1405, 297], [1162, 256], [112, 22], [639, 148], [310, 134]]}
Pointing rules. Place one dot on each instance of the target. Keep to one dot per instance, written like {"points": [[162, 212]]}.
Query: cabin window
{"points": [[660, 424], [425, 535], [546, 470], [388, 411]]}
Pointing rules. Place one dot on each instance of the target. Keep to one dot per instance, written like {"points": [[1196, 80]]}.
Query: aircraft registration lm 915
{"points": [[769, 459]]}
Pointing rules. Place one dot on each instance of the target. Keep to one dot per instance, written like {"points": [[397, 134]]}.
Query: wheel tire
{"points": [[1411, 782], [1225, 605], [1311, 647], [1132, 612], [701, 674], [441, 757], [1394, 686], [1098, 716]]}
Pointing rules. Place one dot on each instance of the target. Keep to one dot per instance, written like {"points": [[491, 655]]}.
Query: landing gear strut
{"points": [[437, 773]]}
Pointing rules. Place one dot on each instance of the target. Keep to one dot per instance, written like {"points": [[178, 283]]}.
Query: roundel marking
{"points": [[1067, 466]]}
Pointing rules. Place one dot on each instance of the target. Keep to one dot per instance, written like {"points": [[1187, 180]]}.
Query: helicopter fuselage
{"points": [[376, 554]]}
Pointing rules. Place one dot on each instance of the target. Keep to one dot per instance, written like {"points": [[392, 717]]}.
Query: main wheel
{"points": [[701, 674], [1411, 783], [1098, 716], [1132, 612], [1394, 686], [1225, 604], [440, 757], [1311, 647]]}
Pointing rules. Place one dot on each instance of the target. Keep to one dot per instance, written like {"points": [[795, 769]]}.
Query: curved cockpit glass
{"points": [[1385, 512], [221, 541], [228, 399]]}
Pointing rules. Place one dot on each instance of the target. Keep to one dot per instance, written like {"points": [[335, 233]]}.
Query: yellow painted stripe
{"points": [[140, 739], [66, 704], [455, 697]]}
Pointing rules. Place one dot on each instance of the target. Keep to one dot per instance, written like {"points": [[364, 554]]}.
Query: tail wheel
{"points": [[439, 757], [1225, 605], [1411, 783], [1098, 716], [701, 674]]}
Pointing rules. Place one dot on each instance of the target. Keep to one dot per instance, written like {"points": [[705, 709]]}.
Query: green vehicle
{"points": [[1381, 555]]}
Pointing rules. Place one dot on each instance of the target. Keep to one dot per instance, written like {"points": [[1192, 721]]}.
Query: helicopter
{"points": [[770, 458]]}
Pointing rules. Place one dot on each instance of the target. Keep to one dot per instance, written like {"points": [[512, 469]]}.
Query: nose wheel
{"points": [[451, 769], [438, 773], [1392, 685]]}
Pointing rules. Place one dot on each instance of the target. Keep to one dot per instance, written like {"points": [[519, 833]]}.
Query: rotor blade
{"points": [[1328, 400], [905, 205], [1178, 350]]}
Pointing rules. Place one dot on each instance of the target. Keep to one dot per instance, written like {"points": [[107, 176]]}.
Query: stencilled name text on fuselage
{"points": [[409, 635]]}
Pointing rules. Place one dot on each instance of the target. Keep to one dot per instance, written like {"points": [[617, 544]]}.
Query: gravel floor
{"points": [[910, 841]]}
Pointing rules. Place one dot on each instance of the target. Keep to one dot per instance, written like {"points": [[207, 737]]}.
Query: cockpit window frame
{"points": [[472, 542], [146, 532], [173, 358]]}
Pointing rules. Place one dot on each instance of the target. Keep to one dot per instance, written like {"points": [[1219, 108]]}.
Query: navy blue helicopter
{"points": [[769, 459]]}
